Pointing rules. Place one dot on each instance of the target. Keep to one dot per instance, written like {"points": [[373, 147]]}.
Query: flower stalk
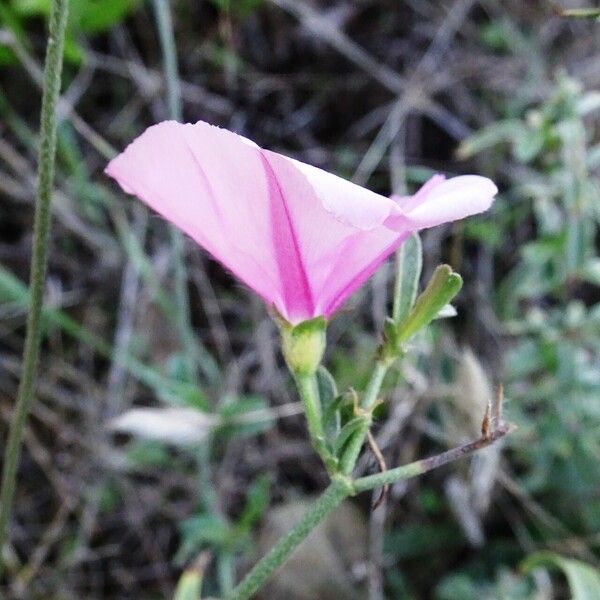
{"points": [[303, 347], [41, 234], [309, 394], [410, 314]]}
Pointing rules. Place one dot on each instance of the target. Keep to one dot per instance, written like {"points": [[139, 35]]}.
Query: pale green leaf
{"points": [[583, 579]]}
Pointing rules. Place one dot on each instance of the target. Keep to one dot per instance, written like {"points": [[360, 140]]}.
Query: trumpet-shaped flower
{"points": [[301, 238]]}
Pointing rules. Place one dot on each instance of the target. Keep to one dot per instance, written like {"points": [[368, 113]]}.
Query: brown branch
{"points": [[428, 464]]}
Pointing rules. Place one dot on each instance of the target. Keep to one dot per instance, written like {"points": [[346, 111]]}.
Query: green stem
{"points": [[374, 386], [356, 442], [164, 24], [408, 271], [340, 488], [428, 464], [41, 234], [353, 448], [309, 394]]}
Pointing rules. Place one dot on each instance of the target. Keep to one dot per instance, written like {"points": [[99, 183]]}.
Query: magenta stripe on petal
{"points": [[301, 238]]}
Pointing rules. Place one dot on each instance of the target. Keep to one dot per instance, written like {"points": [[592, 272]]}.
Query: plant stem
{"points": [[309, 394], [356, 442], [428, 464], [225, 572], [374, 386], [41, 234], [164, 24], [194, 352], [353, 448], [340, 488], [408, 271]]}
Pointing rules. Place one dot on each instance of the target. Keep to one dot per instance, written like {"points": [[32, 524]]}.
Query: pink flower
{"points": [[301, 238]]}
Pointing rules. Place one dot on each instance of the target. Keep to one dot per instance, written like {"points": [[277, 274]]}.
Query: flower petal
{"points": [[266, 217], [407, 203], [212, 184], [349, 203], [444, 201], [360, 258], [337, 254], [302, 238]]}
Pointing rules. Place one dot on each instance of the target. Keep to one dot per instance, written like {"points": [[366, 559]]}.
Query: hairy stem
{"points": [[374, 386], [309, 394], [41, 234], [356, 442], [353, 448], [339, 489], [428, 464]]}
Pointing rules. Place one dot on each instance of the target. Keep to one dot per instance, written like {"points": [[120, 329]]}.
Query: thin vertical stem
{"points": [[356, 442], [308, 390], [353, 448], [164, 24], [375, 383], [39, 257]]}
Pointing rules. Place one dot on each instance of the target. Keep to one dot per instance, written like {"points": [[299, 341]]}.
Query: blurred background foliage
{"points": [[136, 463]]}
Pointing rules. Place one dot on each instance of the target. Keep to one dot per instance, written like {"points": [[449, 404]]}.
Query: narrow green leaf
{"points": [[440, 290], [583, 579], [257, 501], [328, 394], [332, 416], [409, 262], [346, 433]]}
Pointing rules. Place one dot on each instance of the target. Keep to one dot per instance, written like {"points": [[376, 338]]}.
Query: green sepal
{"points": [[303, 344]]}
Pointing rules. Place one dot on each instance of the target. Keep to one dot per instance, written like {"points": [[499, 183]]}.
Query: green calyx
{"points": [[303, 345]]}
